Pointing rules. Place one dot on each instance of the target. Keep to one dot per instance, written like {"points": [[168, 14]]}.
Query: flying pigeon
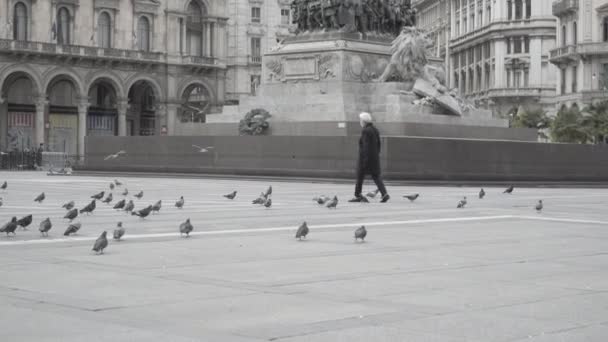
{"points": [[372, 194], [40, 198], [268, 192], [156, 207], [509, 190], [333, 203], [101, 243], [360, 233], [259, 200], [111, 186], [302, 231], [119, 231], [89, 208], [180, 202], [69, 205], [71, 215], [539, 206], [10, 226], [268, 203], [115, 155], [143, 213], [412, 198], [4, 185], [482, 193], [119, 205], [231, 195], [130, 206], [45, 226], [126, 192], [203, 149], [321, 199], [99, 195], [24, 221], [139, 195], [185, 228], [108, 199], [117, 182], [462, 203], [72, 229]]}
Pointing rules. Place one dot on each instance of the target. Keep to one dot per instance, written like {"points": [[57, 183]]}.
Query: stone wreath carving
{"points": [[276, 69], [255, 122]]}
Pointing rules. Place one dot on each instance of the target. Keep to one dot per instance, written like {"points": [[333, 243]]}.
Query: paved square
{"points": [[494, 271]]}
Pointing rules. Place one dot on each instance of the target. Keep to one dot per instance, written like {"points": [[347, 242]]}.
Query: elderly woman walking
{"points": [[369, 158]]}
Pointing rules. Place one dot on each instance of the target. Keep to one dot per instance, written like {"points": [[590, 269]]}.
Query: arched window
{"points": [[195, 31], [63, 26], [143, 34], [574, 33], [20, 22], [104, 33]]}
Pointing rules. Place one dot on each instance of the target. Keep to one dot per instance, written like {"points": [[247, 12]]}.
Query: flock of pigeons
{"points": [[185, 228]]}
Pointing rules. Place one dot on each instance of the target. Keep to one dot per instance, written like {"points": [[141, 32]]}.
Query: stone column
{"points": [[123, 106], [160, 114], [512, 10], [83, 107], [536, 70], [523, 9], [3, 123], [41, 104], [500, 49], [208, 39], [171, 117]]}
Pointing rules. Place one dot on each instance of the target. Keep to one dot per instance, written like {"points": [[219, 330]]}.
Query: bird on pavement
{"points": [[40, 198], [231, 195], [24, 221], [99, 195], [45, 226], [482, 193], [302, 231], [10, 226], [268, 192], [89, 208], [372, 194], [4, 185], [71, 215], [180, 202], [120, 204], [143, 213], [117, 182], [126, 192], [539, 206], [72, 228], [108, 199], [268, 203], [360, 233], [130, 206], [509, 190], [333, 203], [115, 155], [260, 200], [363, 199], [101, 243], [69, 205], [321, 199], [1, 201], [185, 228], [139, 195], [462, 203], [119, 231], [156, 207], [412, 198], [111, 186]]}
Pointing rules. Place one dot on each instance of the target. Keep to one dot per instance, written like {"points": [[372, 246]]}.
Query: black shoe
{"points": [[385, 198], [355, 199]]}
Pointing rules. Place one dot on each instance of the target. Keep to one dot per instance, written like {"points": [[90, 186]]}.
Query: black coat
{"points": [[369, 150]]}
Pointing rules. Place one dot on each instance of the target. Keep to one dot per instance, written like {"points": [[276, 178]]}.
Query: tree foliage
{"points": [[532, 118], [567, 127], [595, 122]]}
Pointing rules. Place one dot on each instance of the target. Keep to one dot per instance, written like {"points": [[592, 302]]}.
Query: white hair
{"points": [[365, 117]]}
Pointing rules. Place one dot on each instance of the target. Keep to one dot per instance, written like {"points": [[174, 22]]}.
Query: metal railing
{"points": [[255, 59]]}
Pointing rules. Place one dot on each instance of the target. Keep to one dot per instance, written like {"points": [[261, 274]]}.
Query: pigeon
{"points": [[101, 243], [89, 208], [302, 231], [363, 199], [130, 206], [72, 229], [268, 192], [108, 199], [1, 201], [71, 215], [203, 149], [24, 221], [117, 182], [231, 195], [4, 185], [268, 203], [156, 207], [360, 233], [333, 203], [180, 202], [119, 231], [115, 155], [126, 192], [111, 186], [509, 190], [412, 198], [69, 205], [143, 213], [99, 195], [321, 199], [372, 194], [259, 200], [45, 226], [462, 203], [185, 228], [482, 193], [119, 205], [139, 195], [539, 206], [40, 198], [10, 226]]}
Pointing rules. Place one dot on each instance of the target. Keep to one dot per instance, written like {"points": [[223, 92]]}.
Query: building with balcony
{"points": [[71, 68], [499, 53], [433, 16], [581, 55]]}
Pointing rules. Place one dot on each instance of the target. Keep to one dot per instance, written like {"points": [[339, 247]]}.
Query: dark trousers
{"points": [[375, 176]]}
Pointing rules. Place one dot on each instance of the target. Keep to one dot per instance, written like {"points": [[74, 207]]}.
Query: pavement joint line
{"points": [[562, 220]]}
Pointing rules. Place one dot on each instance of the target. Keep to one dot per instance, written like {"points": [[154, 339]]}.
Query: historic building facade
{"points": [[71, 68], [582, 52], [433, 16]]}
